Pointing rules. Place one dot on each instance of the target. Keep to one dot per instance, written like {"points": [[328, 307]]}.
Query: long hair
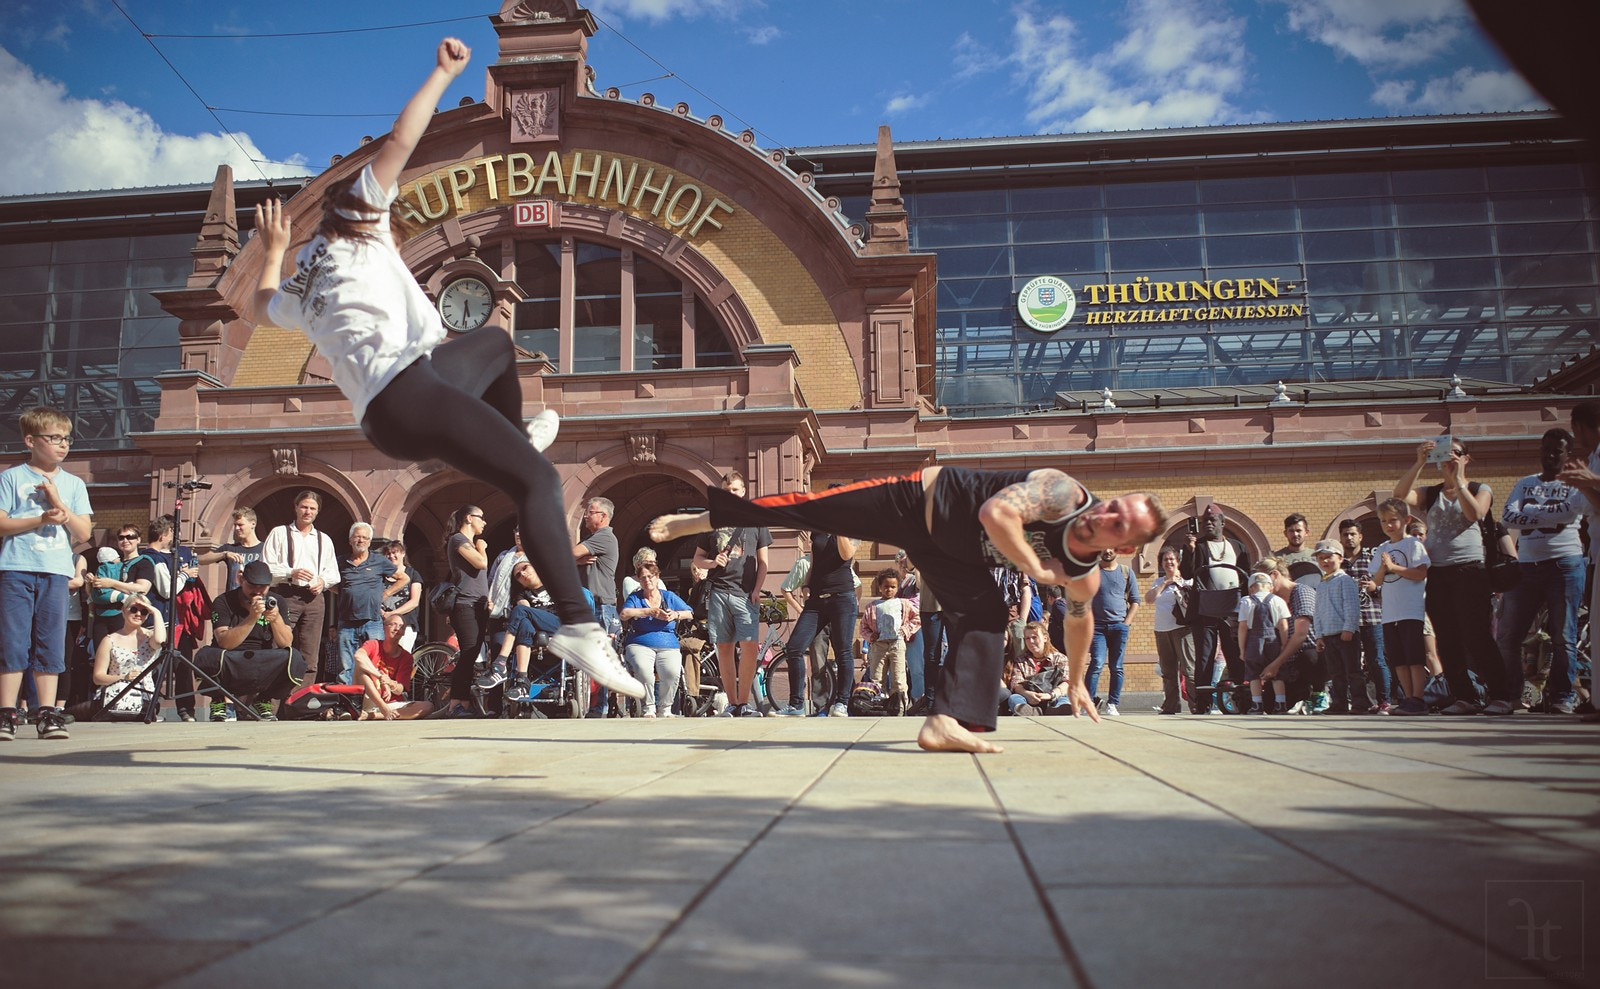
{"points": [[453, 525], [333, 226]]}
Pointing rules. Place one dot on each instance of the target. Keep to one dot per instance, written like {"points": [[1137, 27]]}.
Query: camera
{"points": [[273, 603], [1194, 527]]}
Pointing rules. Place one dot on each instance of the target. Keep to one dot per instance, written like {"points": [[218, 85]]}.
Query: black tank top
{"points": [[829, 573], [958, 493]]}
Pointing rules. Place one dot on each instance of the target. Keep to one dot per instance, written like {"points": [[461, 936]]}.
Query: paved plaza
{"points": [[819, 852]]}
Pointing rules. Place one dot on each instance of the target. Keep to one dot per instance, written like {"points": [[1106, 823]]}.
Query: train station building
{"points": [[1266, 317]]}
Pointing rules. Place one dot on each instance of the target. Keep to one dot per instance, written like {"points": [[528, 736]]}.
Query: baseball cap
{"points": [[1261, 580], [1327, 546], [257, 572]]}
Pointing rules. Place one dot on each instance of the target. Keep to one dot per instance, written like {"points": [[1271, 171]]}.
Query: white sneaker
{"points": [[1111, 711], [587, 647], [542, 429], [838, 711]]}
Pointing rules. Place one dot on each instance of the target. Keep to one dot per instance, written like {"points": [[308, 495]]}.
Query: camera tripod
{"points": [[166, 662]]}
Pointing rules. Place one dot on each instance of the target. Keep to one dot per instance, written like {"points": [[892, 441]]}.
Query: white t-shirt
{"points": [[1277, 611], [1223, 576], [1402, 598], [1546, 513], [358, 303], [1166, 600]]}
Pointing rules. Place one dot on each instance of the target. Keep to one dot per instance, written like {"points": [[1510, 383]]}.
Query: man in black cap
{"points": [[249, 617]]}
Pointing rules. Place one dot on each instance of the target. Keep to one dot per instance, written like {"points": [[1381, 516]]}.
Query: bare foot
{"points": [[668, 527], [942, 733]]}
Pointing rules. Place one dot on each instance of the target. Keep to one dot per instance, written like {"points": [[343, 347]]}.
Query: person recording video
{"points": [[249, 617]]}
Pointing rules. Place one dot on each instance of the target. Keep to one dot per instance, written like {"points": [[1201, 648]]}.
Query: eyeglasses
{"points": [[475, 516], [59, 439], [125, 536], [595, 511]]}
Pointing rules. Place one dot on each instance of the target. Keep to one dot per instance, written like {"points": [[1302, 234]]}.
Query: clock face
{"points": [[465, 304]]}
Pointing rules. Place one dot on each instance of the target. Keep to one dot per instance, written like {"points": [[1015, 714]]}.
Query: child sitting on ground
{"points": [[1263, 628]]}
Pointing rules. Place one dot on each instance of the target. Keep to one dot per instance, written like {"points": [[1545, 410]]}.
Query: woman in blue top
{"points": [[651, 641]]}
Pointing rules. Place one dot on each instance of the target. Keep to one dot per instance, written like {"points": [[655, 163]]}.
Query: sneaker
{"points": [[1257, 709], [8, 724], [1411, 707], [1298, 707], [790, 711], [1384, 708], [1499, 709], [517, 692], [1460, 708], [1320, 703], [838, 711], [542, 429], [51, 723], [587, 647], [732, 711], [1559, 707], [264, 711], [1110, 711], [495, 676], [219, 711], [185, 715], [229, 714]]}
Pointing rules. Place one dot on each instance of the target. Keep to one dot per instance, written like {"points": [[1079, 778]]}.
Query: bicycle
{"points": [[771, 689], [431, 667]]}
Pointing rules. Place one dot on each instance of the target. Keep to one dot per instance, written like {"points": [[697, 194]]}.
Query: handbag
{"points": [[443, 597], [1505, 572], [1048, 679], [1204, 605]]}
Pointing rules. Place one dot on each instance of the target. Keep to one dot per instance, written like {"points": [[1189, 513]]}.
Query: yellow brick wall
{"points": [[274, 356]]}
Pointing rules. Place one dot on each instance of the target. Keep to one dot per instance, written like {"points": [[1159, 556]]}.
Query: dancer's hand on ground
{"points": [[453, 56], [1082, 701]]}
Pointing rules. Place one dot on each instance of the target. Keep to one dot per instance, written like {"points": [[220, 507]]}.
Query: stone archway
{"points": [[1239, 525]]}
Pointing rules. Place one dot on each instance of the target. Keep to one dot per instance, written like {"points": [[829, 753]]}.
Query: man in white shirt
{"points": [[1546, 512], [304, 564]]}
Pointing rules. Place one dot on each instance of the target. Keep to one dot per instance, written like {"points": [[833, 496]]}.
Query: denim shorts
{"points": [[730, 617], [33, 622]]}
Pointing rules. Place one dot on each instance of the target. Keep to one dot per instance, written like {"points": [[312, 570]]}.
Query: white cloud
{"points": [[660, 10], [973, 57], [1466, 90], [1381, 34], [1179, 64], [763, 35], [905, 102], [56, 143]]}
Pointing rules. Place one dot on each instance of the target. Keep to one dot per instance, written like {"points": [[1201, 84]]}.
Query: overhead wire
{"points": [[258, 162], [316, 34]]}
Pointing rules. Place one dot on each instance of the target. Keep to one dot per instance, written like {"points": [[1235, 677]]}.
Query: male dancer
{"points": [[956, 523]]}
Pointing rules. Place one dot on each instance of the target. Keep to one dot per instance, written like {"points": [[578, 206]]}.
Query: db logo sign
{"points": [[540, 213]]}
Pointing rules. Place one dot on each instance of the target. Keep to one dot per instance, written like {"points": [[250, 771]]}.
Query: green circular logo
{"points": [[1046, 303]]}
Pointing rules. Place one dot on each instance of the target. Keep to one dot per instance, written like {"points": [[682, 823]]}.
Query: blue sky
{"points": [[89, 104]]}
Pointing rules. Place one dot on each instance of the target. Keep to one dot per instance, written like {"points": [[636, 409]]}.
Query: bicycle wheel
{"points": [[772, 683], [430, 673]]}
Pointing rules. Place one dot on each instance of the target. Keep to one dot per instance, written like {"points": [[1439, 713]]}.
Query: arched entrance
{"points": [[639, 498]]}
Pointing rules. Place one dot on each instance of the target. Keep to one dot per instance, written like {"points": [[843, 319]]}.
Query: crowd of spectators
{"points": [[1458, 611]]}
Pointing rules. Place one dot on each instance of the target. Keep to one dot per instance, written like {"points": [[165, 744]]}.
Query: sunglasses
{"points": [[138, 612], [126, 536]]}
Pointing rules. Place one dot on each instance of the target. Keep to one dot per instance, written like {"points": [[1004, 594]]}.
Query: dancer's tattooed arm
{"points": [[1045, 495]]}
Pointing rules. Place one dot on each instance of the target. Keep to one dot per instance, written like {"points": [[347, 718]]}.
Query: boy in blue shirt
{"points": [[44, 512], [1401, 574]]}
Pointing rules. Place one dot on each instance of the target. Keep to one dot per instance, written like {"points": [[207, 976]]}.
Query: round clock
{"points": [[465, 304]]}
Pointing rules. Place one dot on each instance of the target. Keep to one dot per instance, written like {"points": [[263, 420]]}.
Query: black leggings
{"points": [[463, 404], [892, 510]]}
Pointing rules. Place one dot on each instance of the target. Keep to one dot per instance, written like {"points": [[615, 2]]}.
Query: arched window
{"points": [[581, 294]]}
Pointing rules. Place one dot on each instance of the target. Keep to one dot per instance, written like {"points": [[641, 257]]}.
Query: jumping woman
{"points": [[461, 403]]}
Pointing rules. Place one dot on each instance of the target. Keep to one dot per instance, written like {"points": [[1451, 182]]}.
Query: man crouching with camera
{"points": [[249, 617]]}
